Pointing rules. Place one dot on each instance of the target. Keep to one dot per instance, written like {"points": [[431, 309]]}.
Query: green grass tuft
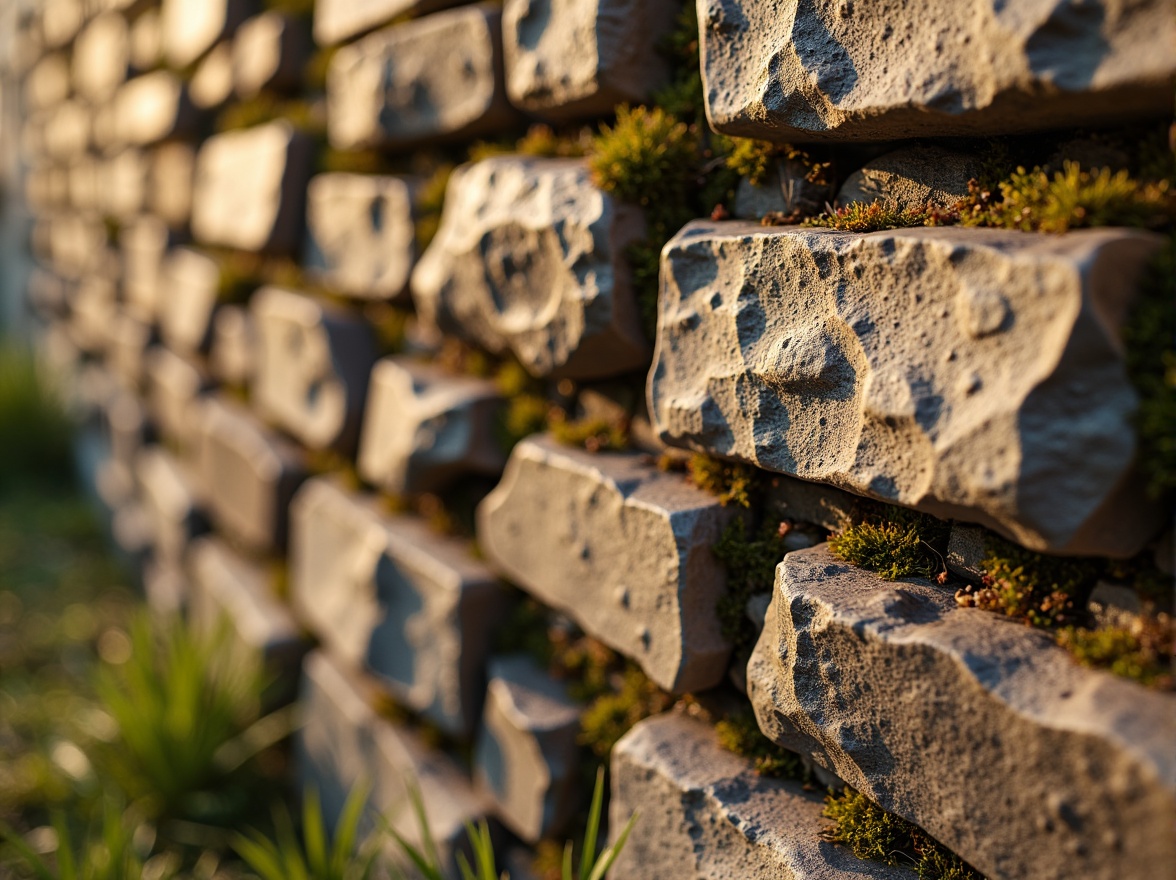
{"points": [[34, 427], [731, 482], [740, 734], [1144, 654], [894, 549]]}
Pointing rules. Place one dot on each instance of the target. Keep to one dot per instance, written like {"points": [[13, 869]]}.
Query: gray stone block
{"points": [[169, 191], [821, 505], [269, 52], [168, 495], [974, 374], [192, 27], [247, 475], [47, 294], [124, 429], [129, 339], [621, 547], [567, 59], [424, 429], [174, 386], [66, 131], [234, 345], [339, 20], [122, 186], [978, 729], [527, 756], [342, 743], [703, 813], [530, 258], [385, 592], [212, 82], [92, 313], [833, 69], [966, 549], [145, 46], [913, 177], [165, 588], [250, 188], [189, 284], [784, 190], [47, 83], [101, 57], [360, 235], [153, 107], [144, 243], [312, 368], [436, 77]]}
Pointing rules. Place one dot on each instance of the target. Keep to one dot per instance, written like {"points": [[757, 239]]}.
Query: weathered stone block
{"points": [[144, 243], [970, 373], [47, 83], [129, 337], [566, 59], [435, 77], [269, 52], [966, 549], [47, 294], [212, 82], [234, 345], [145, 46], [250, 188], [101, 56], [313, 364], [124, 428], [621, 547], [948, 705], [60, 21], [527, 756], [423, 428], [343, 743], [530, 258], [385, 592], [174, 385], [339, 20], [247, 475], [190, 283], [165, 588], [360, 234], [122, 188], [913, 178], [703, 813], [92, 313], [785, 189], [191, 28], [66, 131], [153, 107], [837, 70], [169, 192], [168, 494]]}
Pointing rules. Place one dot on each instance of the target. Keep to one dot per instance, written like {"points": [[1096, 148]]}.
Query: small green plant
{"points": [[314, 859], [893, 549], [34, 427], [731, 482], [1143, 653], [683, 95], [739, 733], [592, 433], [429, 199], [750, 560], [878, 215], [303, 115], [754, 159], [874, 834]]}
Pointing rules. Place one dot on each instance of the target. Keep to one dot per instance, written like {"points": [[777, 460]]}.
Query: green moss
{"points": [[874, 834], [34, 428], [878, 215], [1143, 654], [906, 545], [429, 200], [540, 140], [739, 733], [610, 716], [306, 116], [683, 95], [293, 8], [754, 159], [750, 561], [731, 482], [592, 433]]}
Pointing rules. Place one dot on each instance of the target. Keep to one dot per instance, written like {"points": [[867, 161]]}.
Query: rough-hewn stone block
{"points": [[313, 364], [833, 69], [621, 547], [129, 338], [212, 82], [703, 813], [423, 428], [189, 285], [174, 384], [152, 107], [191, 27], [413, 607], [169, 192], [145, 47], [66, 131], [566, 59], [978, 729], [913, 177], [247, 475], [47, 83], [92, 313], [250, 188], [527, 756], [435, 77], [269, 52], [168, 495], [122, 189], [343, 743], [974, 374], [144, 243], [360, 235], [530, 258], [339, 20], [101, 55], [124, 427], [233, 353]]}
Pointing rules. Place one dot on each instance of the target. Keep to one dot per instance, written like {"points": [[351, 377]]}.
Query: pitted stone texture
{"points": [[831, 69], [530, 258], [250, 188], [360, 234], [912, 178], [339, 20], [414, 608], [191, 27], [566, 59], [527, 754], [168, 495], [169, 192], [621, 547], [703, 813], [234, 345], [247, 475], [423, 428], [313, 364], [435, 77], [269, 52], [343, 743], [973, 374], [144, 243], [948, 705], [101, 55], [174, 385], [187, 299], [226, 585], [151, 108]]}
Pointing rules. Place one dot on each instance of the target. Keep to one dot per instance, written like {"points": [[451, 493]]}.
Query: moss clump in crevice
{"points": [[875, 216], [540, 141], [306, 116], [683, 96], [740, 734], [428, 201], [874, 834], [730, 481], [903, 544], [1142, 653], [594, 433], [749, 558], [754, 159]]}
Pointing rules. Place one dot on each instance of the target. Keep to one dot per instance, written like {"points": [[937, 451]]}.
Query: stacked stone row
{"points": [[970, 374]]}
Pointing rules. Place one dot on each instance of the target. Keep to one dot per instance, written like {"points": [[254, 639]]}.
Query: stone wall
{"points": [[711, 437]]}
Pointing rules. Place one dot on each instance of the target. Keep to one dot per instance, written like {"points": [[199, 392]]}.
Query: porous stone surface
{"points": [[174, 384], [966, 549], [269, 52], [530, 259], [948, 705], [360, 236], [913, 178], [313, 363], [527, 755], [342, 743], [832, 69], [169, 189], [800, 501], [101, 55], [233, 352], [424, 429], [247, 475], [703, 813], [973, 374], [339, 20], [386, 593], [566, 59], [191, 28], [168, 495], [621, 547], [152, 107], [250, 188], [436, 77], [187, 299]]}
